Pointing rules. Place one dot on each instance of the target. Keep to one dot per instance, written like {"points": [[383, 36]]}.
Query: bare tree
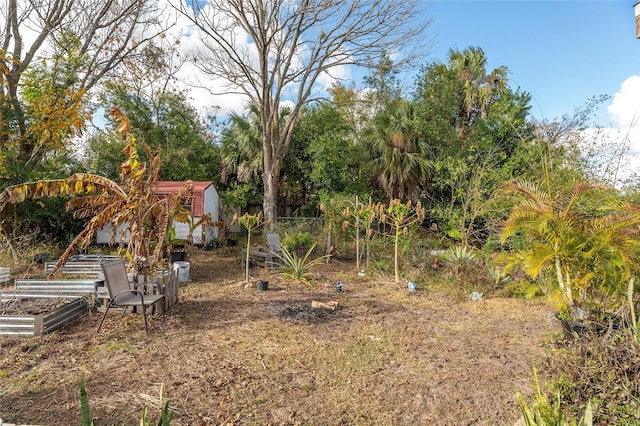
{"points": [[78, 42], [275, 51]]}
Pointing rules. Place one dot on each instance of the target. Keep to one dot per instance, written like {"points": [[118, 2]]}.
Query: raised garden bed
{"points": [[34, 317]]}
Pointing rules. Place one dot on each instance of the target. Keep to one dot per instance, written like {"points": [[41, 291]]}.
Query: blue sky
{"points": [[561, 52]]}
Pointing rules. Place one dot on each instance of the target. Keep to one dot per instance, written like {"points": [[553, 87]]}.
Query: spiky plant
{"points": [[458, 256], [297, 267]]}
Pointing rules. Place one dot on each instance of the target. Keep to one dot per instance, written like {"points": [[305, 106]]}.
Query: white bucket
{"points": [[183, 270]]}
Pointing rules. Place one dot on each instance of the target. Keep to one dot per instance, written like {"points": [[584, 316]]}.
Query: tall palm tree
{"points": [[400, 154], [479, 89], [242, 154]]}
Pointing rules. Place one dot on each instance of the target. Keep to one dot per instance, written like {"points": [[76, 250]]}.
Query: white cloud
{"points": [[625, 115], [625, 106], [206, 97], [337, 74]]}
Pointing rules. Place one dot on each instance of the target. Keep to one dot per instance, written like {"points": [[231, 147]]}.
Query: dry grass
{"points": [[228, 354]]}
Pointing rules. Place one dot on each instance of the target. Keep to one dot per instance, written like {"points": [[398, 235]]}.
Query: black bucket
{"points": [[262, 285], [176, 256]]}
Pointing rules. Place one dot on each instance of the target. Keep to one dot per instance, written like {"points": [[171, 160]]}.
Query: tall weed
{"points": [[542, 412], [87, 417]]}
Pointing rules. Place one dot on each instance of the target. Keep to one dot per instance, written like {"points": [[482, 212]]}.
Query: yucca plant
{"points": [[458, 256], [297, 267]]}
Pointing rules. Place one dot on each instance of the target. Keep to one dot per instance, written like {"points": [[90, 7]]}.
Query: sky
{"points": [[561, 52]]}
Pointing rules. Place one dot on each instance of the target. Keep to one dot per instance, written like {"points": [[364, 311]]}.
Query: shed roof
{"points": [[169, 188]]}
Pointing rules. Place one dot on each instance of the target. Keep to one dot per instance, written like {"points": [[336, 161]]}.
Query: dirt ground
{"points": [[229, 354]]}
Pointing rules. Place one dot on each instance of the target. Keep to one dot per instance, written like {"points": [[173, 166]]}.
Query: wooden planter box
{"points": [[37, 325], [167, 283]]}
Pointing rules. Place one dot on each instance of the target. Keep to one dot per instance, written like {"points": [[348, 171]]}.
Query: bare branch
{"points": [[274, 51], [32, 30]]}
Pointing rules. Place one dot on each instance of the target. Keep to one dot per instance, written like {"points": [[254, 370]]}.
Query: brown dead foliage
{"points": [[230, 355]]}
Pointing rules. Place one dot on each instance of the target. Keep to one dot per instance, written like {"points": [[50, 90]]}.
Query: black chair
{"points": [[121, 293]]}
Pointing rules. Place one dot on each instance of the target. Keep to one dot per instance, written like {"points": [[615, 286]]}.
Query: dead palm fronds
{"points": [[131, 203]]}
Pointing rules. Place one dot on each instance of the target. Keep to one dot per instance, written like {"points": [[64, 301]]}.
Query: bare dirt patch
{"points": [[229, 354]]}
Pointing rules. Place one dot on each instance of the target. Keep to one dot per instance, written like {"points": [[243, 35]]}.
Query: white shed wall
{"points": [[103, 236], [211, 203]]}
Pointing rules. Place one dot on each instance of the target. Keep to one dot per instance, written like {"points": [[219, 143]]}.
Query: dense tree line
{"points": [[450, 140]]}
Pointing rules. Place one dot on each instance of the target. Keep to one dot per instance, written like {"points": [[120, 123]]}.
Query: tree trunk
{"points": [[396, 268], [269, 204], [565, 288], [271, 174]]}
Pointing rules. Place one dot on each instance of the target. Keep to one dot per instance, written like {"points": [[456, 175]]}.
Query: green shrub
{"points": [[298, 242], [604, 369]]}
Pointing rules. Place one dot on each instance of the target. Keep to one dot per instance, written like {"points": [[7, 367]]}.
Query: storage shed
{"points": [[205, 201]]}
